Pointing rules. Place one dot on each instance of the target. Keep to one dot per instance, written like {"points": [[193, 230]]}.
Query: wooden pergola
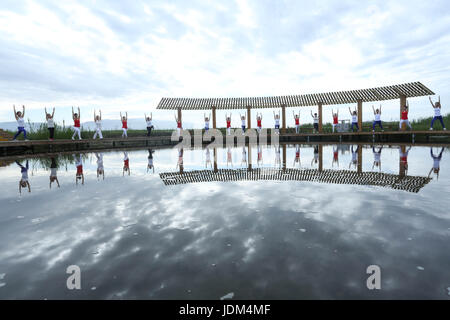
{"points": [[400, 91]]}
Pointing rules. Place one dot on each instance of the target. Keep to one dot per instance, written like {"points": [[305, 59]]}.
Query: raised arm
{"points": [[100, 113], [380, 109], [373, 108], [126, 115], [73, 115], [431, 101], [350, 110], [15, 112], [23, 111], [151, 117], [94, 116], [79, 113], [53, 113]]}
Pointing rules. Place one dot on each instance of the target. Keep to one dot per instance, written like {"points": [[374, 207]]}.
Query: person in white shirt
{"points": [[276, 117], [100, 167], [437, 113], [377, 120], [207, 121], [149, 124], [50, 124], [20, 123], [316, 122], [436, 162], [98, 125], [354, 115], [243, 123], [377, 157]]}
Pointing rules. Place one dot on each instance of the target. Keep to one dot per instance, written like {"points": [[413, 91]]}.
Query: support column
{"points": [[320, 116], [402, 166], [402, 104], [283, 119], [214, 118], [284, 157], [215, 159], [320, 158], [360, 158], [249, 118], [360, 115], [249, 155]]}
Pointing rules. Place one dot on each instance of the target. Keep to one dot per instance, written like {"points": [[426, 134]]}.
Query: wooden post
{"points": [[320, 116], [249, 159], [402, 104], [284, 156], [214, 117], [283, 119], [249, 118], [320, 158], [215, 158], [360, 115], [402, 166], [360, 158]]}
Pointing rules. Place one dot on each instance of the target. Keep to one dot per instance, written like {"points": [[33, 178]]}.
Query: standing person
{"points": [[436, 163], [335, 156], [150, 165], [79, 165], [242, 123], [354, 157], [377, 120], [98, 125], [297, 155], [126, 164], [259, 122], [76, 124], [276, 117], [316, 122], [404, 116], [24, 183], [297, 121], [335, 119], [437, 113], [179, 125], [149, 124], [354, 115], [100, 167], [124, 125], [50, 124], [207, 121], [20, 123], [228, 121], [53, 172], [377, 157]]}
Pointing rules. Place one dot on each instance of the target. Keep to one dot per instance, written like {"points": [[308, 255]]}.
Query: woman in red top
{"points": [[404, 117], [335, 118], [124, 125], [179, 126], [259, 121], [228, 120], [297, 121], [76, 124]]}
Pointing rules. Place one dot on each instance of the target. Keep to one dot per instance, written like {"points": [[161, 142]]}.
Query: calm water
{"points": [[153, 233]]}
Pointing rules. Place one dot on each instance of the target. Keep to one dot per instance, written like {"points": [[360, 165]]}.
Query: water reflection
{"points": [[24, 183], [436, 163]]}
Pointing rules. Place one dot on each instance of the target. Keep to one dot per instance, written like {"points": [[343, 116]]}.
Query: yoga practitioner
{"points": [[335, 119], [79, 165], [207, 121], [76, 124], [149, 124], [297, 121], [437, 113], [179, 126], [335, 156], [377, 120], [98, 125], [228, 121], [53, 172], [150, 165], [243, 123], [316, 122], [124, 125], [126, 164], [50, 124], [354, 115], [20, 123], [100, 168], [354, 157], [276, 117], [259, 122], [24, 183], [377, 157], [297, 155], [404, 116], [436, 163]]}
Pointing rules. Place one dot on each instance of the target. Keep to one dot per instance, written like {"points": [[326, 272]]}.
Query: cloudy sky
{"points": [[122, 55]]}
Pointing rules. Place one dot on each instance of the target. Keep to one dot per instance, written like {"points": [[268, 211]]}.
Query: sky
{"points": [[127, 55]]}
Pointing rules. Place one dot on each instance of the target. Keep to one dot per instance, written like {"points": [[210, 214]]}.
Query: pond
{"points": [[294, 222]]}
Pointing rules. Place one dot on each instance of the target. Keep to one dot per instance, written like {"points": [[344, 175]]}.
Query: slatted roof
{"points": [[414, 89], [387, 180]]}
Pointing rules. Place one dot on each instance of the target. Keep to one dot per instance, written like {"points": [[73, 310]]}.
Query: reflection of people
{"points": [[354, 157], [244, 156], [150, 165], [229, 157], [20, 123], [260, 157], [149, 124], [24, 183], [335, 119], [404, 158], [316, 122], [276, 117], [277, 155], [437, 113], [404, 116], [124, 120], [208, 158], [79, 164], [76, 124], [297, 121], [126, 164], [315, 159], [436, 163], [98, 125], [297, 155], [180, 159], [53, 173], [377, 120], [50, 124], [335, 156], [354, 115], [100, 168], [377, 157], [207, 121]]}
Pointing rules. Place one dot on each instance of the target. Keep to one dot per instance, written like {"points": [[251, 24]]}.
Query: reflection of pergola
{"points": [[406, 183], [401, 91]]}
